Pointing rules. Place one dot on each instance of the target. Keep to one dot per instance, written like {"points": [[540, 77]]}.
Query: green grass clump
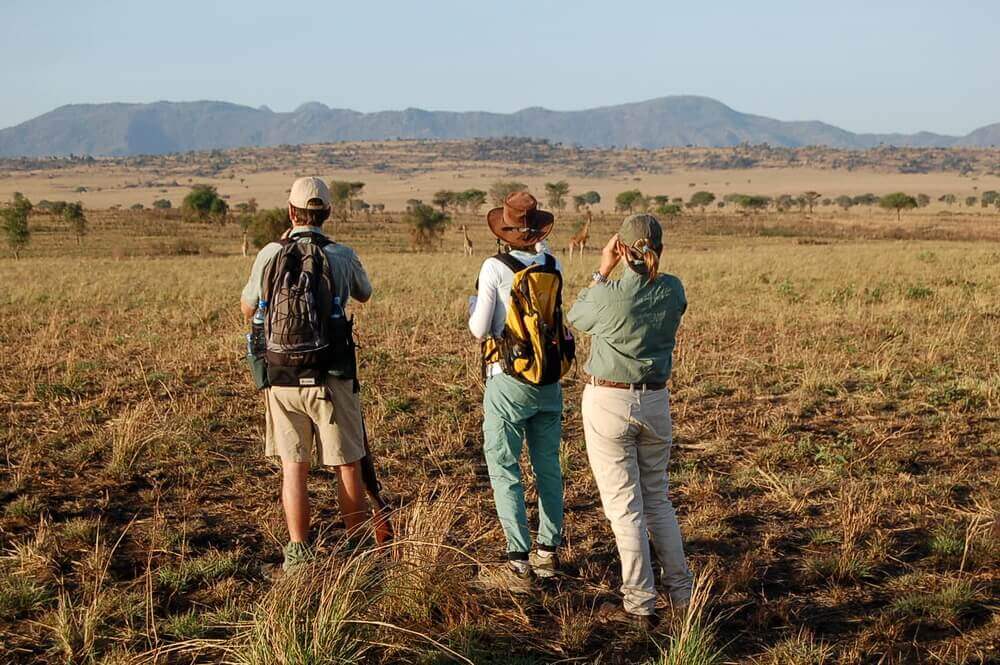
{"points": [[943, 606], [24, 507], [799, 649], [20, 595], [204, 569], [842, 567], [79, 530], [185, 626], [947, 541]]}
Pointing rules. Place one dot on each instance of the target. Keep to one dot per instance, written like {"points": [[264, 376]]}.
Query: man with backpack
{"points": [[517, 315], [297, 297]]}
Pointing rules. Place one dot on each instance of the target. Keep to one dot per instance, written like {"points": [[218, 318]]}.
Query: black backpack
{"points": [[301, 338]]}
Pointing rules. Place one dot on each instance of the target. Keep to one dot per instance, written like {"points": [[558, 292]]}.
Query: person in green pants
{"points": [[515, 412]]}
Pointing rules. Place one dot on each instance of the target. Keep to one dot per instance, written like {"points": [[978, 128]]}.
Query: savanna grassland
{"points": [[836, 402], [397, 171]]}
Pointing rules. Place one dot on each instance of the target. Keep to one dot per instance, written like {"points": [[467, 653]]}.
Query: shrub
{"points": [[427, 225], [14, 220], [702, 200], [73, 214], [268, 225], [204, 204], [669, 210]]}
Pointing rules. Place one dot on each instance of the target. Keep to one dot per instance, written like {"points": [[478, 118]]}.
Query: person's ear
{"points": [[291, 213]]}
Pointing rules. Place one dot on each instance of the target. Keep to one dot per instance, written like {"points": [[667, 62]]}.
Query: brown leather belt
{"points": [[655, 385]]}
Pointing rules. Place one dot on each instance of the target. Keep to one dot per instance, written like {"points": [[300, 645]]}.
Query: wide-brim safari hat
{"points": [[519, 222]]}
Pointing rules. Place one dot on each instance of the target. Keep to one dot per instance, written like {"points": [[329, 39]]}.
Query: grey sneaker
{"points": [[509, 577], [296, 555], [545, 565]]}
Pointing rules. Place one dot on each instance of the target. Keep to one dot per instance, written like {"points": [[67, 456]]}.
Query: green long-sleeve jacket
{"points": [[633, 327]]}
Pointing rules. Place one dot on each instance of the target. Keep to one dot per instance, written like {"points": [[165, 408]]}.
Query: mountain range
{"points": [[117, 129]]}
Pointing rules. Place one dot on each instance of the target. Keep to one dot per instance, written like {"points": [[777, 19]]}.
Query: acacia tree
{"points": [[426, 225], [702, 200], [342, 193], [628, 200], [586, 200], [73, 214], [810, 199], [923, 200], [751, 202], [15, 223], [471, 200], [444, 199], [898, 201], [555, 194], [501, 189], [970, 201]]}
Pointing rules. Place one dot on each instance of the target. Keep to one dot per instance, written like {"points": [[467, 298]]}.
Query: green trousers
{"points": [[512, 413]]}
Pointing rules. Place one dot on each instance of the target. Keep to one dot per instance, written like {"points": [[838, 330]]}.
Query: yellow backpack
{"points": [[535, 347]]}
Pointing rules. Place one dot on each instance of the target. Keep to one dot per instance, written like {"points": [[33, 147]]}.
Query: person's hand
{"points": [[610, 255]]}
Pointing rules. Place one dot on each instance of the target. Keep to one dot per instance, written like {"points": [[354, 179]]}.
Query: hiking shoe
{"points": [[296, 556], [615, 613], [545, 565], [513, 577]]}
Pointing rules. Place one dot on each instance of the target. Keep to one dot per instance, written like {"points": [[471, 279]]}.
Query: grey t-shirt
{"points": [[349, 277]]}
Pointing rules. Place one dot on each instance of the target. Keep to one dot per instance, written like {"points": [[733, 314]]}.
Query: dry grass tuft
{"points": [[693, 641], [130, 436]]}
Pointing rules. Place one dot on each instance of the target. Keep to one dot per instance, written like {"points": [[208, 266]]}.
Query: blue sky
{"points": [[879, 65]]}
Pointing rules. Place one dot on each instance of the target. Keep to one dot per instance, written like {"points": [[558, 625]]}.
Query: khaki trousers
{"points": [[628, 434]]}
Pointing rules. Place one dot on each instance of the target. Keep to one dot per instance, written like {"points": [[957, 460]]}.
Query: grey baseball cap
{"points": [[639, 226]]}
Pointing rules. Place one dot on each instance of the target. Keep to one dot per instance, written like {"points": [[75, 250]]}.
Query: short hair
{"points": [[311, 216]]}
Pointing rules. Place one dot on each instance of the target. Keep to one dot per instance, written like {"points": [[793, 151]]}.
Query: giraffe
{"points": [[579, 239], [468, 241]]}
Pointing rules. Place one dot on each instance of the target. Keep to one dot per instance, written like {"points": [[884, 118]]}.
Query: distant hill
{"points": [[163, 127]]}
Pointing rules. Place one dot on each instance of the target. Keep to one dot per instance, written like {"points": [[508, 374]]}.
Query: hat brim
{"points": [[539, 227]]}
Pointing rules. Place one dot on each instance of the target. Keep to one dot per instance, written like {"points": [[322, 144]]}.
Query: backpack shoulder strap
{"points": [[509, 261], [318, 239]]}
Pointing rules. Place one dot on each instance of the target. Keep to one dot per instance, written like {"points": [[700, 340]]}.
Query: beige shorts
{"points": [[314, 424]]}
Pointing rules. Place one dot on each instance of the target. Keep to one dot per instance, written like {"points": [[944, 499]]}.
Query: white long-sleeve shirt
{"points": [[495, 281]]}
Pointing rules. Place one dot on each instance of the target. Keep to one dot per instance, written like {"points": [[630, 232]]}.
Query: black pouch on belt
{"points": [[258, 370]]}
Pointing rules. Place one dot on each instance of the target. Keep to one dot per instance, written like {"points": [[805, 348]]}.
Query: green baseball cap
{"points": [[639, 226]]}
